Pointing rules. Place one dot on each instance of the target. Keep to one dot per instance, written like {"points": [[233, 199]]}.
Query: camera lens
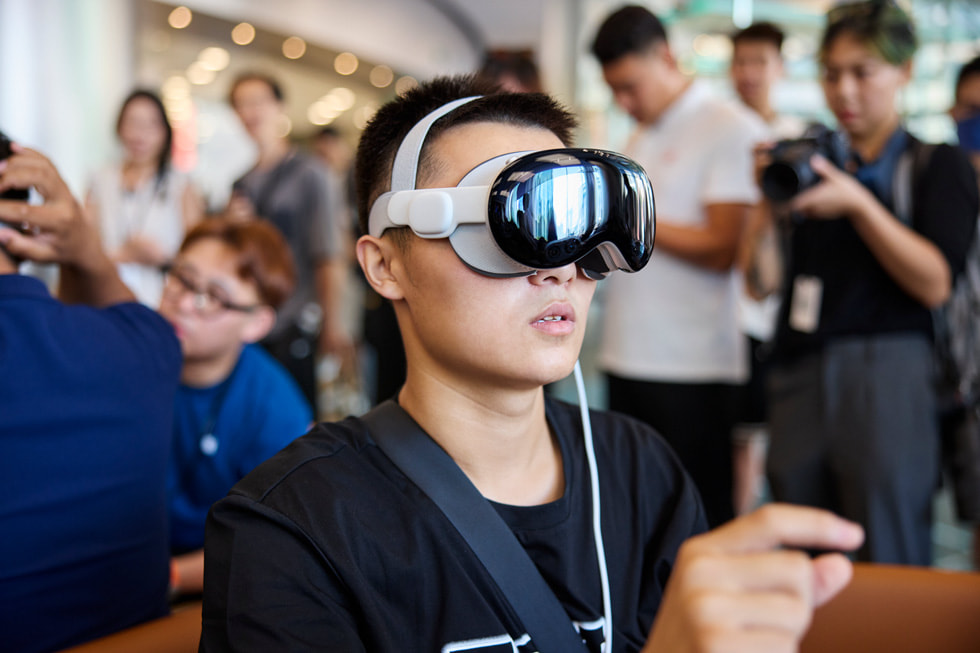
{"points": [[781, 181]]}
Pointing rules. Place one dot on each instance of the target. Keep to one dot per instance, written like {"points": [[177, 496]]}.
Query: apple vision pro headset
{"points": [[527, 211]]}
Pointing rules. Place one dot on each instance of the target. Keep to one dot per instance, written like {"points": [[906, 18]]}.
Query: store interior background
{"points": [[66, 65]]}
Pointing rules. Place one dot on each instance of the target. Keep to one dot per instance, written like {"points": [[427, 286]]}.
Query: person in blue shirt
{"points": [[236, 406], [86, 403]]}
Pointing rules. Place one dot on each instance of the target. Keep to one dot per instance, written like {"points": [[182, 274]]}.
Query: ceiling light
{"points": [[382, 76], [243, 34], [180, 18], [345, 63], [293, 48]]}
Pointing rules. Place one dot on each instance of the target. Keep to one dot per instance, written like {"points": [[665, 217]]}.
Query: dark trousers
{"points": [[854, 430], [295, 350], [696, 419]]}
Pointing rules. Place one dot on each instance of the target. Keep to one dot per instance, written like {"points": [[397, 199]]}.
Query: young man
{"points": [[86, 399], [329, 542], [698, 152], [756, 66], [292, 191], [236, 406]]}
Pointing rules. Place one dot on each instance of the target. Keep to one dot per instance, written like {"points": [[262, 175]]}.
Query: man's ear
{"points": [[377, 256], [661, 52], [259, 324]]}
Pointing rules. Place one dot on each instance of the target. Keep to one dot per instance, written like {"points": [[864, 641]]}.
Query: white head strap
{"points": [[405, 168]]}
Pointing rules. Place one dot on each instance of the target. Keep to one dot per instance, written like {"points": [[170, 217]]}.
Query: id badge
{"points": [[804, 312]]}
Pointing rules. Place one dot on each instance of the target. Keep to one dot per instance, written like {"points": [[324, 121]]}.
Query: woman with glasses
{"points": [[236, 406], [871, 249], [143, 206]]}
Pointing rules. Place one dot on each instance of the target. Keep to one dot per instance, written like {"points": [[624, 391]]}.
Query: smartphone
{"points": [[20, 194]]}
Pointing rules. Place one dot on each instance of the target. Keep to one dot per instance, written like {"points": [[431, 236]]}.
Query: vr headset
{"points": [[527, 211]]}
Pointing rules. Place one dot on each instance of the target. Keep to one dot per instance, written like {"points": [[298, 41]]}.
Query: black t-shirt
{"points": [[328, 546], [859, 297]]}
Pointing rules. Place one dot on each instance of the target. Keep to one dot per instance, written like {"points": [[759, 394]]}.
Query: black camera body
{"points": [[20, 194], [790, 171]]}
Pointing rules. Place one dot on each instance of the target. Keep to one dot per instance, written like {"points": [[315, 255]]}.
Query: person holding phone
{"points": [[87, 400]]}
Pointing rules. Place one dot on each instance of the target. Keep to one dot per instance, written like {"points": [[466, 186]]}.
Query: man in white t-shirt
{"points": [[671, 346]]}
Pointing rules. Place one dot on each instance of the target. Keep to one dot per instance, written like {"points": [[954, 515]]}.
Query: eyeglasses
{"points": [[206, 301]]}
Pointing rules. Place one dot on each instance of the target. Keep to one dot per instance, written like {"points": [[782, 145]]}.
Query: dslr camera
{"points": [[790, 171]]}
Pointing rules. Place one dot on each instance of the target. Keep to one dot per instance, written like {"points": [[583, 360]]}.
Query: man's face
{"points": [[475, 331], [206, 329], [638, 82], [756, 66], [860, 86], [967, 99], [258, 109]]}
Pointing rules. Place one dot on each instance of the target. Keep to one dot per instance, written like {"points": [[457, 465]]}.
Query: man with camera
{"points": [[86, 400], [671, 345], [878, 227]]}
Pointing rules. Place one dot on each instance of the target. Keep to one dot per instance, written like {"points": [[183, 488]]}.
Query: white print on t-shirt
{"points": [[590, 631]]}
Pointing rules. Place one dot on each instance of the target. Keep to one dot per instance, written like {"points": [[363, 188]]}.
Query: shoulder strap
{"points": [[911, 166], [427, 465]]}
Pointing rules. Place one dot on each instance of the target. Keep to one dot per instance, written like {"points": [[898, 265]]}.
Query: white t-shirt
{"points": [[758, 317], [674, 321]]}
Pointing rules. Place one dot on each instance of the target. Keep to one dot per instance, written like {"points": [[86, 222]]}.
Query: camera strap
{"points": [[428, 465]]}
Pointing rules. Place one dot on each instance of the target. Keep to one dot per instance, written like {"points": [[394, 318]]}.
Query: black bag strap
{"points": [[427, 465], [911, 166]]}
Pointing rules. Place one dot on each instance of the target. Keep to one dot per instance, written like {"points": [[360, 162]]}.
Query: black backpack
{"points": [[957, 323]]}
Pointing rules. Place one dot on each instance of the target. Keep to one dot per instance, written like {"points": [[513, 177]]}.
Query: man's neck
{"points": [[209, 373], [869, 147], [272, 153], [764, 109], [679, 84], [500, 439]]}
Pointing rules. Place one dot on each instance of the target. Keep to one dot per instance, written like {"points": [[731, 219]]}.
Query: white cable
{"points": [[600, 551]]}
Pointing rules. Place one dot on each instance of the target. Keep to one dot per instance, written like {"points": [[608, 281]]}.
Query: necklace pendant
{"points": [[208, 444]]}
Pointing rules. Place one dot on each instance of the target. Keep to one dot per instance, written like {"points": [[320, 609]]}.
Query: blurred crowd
{"points": [[805, 330]]}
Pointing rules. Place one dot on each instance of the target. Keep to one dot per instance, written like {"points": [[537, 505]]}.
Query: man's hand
{"points": [[838, 194], [738, 589], [141, 249], [56, 231]]}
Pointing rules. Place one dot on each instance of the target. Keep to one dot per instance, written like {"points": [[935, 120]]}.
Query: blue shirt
{"points": [[86, 407], [878, 176], [223, 432]]}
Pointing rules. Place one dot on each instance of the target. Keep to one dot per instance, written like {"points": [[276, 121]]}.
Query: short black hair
{"points": [[969, 69], [629, 30], [764, 32], [881, 25], [253, 76], [384, 133]]}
